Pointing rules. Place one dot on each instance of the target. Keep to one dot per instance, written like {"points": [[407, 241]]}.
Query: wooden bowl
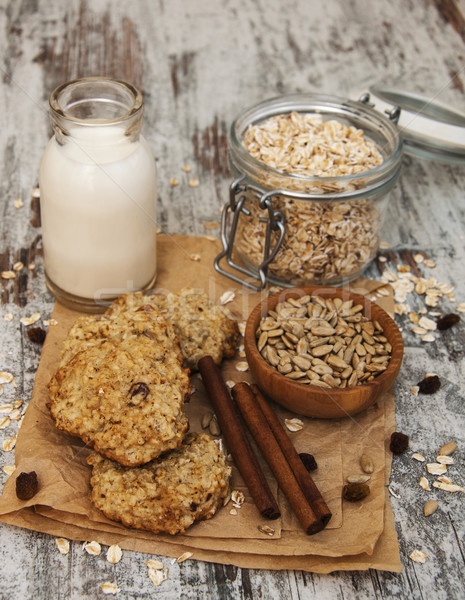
{"points": [[311, 400]]}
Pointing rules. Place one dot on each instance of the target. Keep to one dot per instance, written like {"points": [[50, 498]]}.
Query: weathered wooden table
{"points": [[198, 64]]}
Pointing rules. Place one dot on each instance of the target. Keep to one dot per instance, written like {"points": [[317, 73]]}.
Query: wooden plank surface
{"points": [[198, 64]]}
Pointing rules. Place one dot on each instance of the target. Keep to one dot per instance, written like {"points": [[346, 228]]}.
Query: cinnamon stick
{"points": [[260, 429], [309, 488], [236, 439]]}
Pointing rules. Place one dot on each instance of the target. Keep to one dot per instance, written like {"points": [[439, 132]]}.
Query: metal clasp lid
{"points": [[393, 113], [274, 222]]}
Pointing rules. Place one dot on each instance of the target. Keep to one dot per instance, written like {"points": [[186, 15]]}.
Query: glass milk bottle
{"points": [[98, 195]]}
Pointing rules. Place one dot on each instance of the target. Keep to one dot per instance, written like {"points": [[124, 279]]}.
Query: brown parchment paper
{"points": [[359, 536]]}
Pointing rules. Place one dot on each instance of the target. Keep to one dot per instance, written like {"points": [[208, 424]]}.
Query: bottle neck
{"points": [[96, 112]]}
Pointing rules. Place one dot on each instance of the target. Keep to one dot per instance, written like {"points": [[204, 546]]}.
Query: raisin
{"points": [[36, 335], [447, 321], [27, 485], [138, 389], [353, 492], [429, 385], [399, 442], [309, 461]]}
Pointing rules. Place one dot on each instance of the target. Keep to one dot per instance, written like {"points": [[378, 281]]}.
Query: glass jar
{"points": [[98, 194], [293, 229]]}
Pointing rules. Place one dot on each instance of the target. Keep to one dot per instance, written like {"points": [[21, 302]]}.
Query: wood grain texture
{"points": [[199, 64]]}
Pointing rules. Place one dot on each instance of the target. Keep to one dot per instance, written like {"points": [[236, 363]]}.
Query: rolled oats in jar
{"points": [[312, 180]]}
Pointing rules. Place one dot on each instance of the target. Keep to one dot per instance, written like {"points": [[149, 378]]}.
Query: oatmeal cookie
{"points": [[166, 495], [204, 329], [88, 330], [124, 398]]}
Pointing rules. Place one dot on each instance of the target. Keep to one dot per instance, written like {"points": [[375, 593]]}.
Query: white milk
{"points": [[98, 199]]}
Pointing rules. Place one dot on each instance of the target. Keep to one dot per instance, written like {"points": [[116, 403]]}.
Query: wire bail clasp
{"points": [[274, 222]]}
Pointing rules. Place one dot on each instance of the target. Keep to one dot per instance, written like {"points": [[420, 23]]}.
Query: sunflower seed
{"points": [[430, 508], [206, 419], [350, 347], [448, 449], [367, 464]]}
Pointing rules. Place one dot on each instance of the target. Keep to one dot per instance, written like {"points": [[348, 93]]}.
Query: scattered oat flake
{"points": [[194, 182], [5, 409], [15, 414], [429, 337], [158, 576], [384, 245], [294, 424], [418, 556], [18, 266], [242, 365], [18, 203], [403, 268], [50, 322], [424, 483], [210, 238], [35, 193], [230, 383], [114, 554], [108, 587], [174, 181], [228, 296], [18, 403], [444, 479], [241, 327], [427, 323], [266, 530], [9, 317], [429, 263], [30, 320], [419, 331], [418, 457], [195, 257], [92, 548], [62, 545], [154, 564], [9, 469], [445, 460], [418, 258], [8, 274], [184, 557], [9, 443], [382, 259], [393, 493], [6, 377], [414, 390], [436, 468], [31, 266], [447, 487], [186, 168], [233, 512], [4, 422], [238, 498]]}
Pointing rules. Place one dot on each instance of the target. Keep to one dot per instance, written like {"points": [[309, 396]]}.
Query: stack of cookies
{"points": [[121, 386]]}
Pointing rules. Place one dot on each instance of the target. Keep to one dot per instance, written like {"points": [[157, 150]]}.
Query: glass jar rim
{"points": [[318, 104], [135, 94]]}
